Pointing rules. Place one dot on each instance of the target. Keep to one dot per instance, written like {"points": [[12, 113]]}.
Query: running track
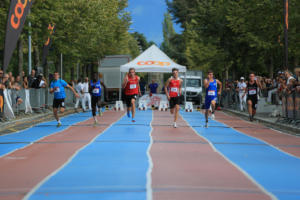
{"points": [[232, 159]]}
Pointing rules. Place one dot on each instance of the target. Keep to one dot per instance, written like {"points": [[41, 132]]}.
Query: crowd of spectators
{"points": [[284, 83], [16, 83]]}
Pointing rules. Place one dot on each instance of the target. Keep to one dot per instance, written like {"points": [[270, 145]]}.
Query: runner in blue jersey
{"points": [[57, 87], [96, 91], [211, 88]]}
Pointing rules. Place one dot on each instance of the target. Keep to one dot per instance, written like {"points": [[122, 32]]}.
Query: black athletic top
{"points": [[252, 89]]}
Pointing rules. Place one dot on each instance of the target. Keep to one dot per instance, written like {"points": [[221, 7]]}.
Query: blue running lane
{"points": [[276, 171], [21, 139], [113, 166]]}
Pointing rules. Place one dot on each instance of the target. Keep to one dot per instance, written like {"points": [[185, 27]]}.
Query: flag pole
{"points": [[286, 27]]}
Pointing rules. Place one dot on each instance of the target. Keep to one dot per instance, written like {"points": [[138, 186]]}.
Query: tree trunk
{"points": [[21, 58]]}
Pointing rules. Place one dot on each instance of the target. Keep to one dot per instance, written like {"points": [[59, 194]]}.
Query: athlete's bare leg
{"points": [[176, 112], [133, 108]]}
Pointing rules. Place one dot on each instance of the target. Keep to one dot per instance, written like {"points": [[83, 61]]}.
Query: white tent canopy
{"points": [[152, 60]]}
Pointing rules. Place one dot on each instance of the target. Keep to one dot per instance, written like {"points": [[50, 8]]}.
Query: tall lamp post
{"points": [[286, 28]]}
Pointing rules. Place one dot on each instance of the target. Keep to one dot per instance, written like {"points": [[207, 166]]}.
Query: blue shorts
{"points": [[208, 101]]}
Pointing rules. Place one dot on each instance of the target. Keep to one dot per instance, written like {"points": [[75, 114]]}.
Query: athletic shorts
{"points": [[58, 103], [174, 101], [254, 100], [128, 99], [96, 101], [208, 101]]}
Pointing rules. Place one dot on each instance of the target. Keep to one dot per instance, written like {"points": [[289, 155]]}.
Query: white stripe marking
{"points": [[149, 172], [273, 197], [34, 189]]}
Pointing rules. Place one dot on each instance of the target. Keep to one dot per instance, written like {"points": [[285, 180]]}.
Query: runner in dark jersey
{"points": [[95, 90], [252, 92], [211, 97], [132, 90], [173, 95]]}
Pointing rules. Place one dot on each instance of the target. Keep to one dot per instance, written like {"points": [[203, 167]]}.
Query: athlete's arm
{"points": [[206, 83], [166, 88], [180, 86], [125, 80], [75, 93], [138, 84], [220, 86]]}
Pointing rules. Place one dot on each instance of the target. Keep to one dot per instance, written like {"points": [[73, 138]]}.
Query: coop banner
{"points": [[15, 23]]}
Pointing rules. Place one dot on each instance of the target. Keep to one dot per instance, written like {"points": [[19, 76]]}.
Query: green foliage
{"points": [[86, 30], [239, 36]]}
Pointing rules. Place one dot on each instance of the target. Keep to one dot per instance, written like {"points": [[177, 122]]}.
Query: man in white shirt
{"points": [[86, 94], [241, 88], [79, 90]]}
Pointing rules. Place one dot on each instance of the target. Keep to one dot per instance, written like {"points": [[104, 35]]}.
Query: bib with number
{"points": [[211, 93], [57, 90], [252, 91], [96, 90], [132, 86], [174, 89]]}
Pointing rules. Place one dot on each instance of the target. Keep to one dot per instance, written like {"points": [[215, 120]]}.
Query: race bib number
{"points": [[132, 86], [211, 93], [174, 89], [96, 90], [57, 90], [252, 92]]}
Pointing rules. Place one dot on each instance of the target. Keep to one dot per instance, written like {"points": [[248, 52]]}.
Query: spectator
{"points": [[1, 76], [32, 79], [25, 82], [241, 88], [6, 83], [142, 85], [153, 87], [297, 73], [17, 87], [79, 90], [86, 94]]}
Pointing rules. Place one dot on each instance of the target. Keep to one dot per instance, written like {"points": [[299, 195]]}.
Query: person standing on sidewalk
{"points": [[252, 95], [86, 94], [79, 90], [58, 88], [212, 92], [241, 87], [174, 84], [132, 90]]}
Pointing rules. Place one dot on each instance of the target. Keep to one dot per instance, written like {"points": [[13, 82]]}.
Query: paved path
{"points": [[232, 159]]}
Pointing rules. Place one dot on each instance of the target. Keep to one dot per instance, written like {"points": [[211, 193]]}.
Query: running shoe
{"points": [[213, 116], [206, 124], [175, 125], [133, 120], [58, 124], [251, 118], [128, 114]]}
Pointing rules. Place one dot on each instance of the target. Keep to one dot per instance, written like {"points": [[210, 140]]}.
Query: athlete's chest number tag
{"points": [[211, 93], [132, 86], [96, 90], [57, 90], [252, 91], [174, 89]]}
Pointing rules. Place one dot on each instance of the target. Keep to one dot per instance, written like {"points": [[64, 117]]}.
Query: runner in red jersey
{"points": [[174, 85], [132, 90]]}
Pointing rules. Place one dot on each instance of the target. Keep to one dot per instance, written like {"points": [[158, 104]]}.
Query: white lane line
{"points": [[35, 188], [263, 141], [31, 143], [149, 172], [273, 197]]}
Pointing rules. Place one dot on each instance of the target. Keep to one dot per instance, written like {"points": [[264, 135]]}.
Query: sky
{"points": [[147, 18]]}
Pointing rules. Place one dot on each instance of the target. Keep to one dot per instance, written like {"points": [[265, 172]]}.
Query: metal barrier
{"points": [[36, 100], [291, 107]]}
